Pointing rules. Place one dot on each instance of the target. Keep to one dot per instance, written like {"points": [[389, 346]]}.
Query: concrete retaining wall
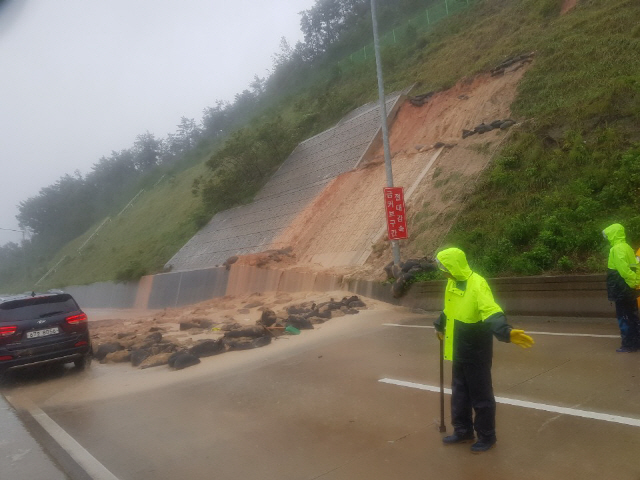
{"points": [[570, 295], [186, 288], [562, 296], [105, 294], [247, 279]]}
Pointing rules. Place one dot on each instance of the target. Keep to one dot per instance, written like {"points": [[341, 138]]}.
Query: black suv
{"points": [[42, 328]]}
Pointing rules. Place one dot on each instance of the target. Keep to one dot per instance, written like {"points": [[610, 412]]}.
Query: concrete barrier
{"points": [[291, 281], [105, 295], [372, 289], [186, 288], [560, 296], [248, 279], [145, 284], [327, 283], [199, 285], [164, 290], [566, 295]]}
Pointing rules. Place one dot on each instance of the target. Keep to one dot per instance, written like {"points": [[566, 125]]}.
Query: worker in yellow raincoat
{"points": [[622, 282], [470, 320]]}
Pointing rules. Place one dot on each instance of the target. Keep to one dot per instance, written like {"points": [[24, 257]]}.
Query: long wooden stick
{"points": [[443, 427]]}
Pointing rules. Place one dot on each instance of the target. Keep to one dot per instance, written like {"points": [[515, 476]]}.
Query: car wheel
{"points": [[84, 362]]}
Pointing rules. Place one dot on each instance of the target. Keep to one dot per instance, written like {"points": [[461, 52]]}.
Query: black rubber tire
{"points": [[83, 362]]}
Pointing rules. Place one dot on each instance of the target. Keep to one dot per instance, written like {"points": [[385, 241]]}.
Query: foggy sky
{"points": [[82, 78]]}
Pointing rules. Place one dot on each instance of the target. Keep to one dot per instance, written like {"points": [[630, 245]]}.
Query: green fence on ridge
{"points": [[420, 23]]}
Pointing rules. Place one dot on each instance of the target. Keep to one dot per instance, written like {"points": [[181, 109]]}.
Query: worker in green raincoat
{"points": [[467, 325], [622, 282]]}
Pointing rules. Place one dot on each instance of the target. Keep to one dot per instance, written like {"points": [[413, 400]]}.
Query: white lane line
{"points": [[533, 333], [634, 422], [406, 326], [88, 462]]}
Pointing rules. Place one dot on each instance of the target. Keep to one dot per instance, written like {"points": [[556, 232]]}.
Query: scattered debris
{"points": [[435, 146], [404, 273], [179, 343], [519, 61], [268, 318], [196, 323], [182, 359], [207, 347], [487, 127], [230, 261], [106, 348], [264, 259], [420, 100]]}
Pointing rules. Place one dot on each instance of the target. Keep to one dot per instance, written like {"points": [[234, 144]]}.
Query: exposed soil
{"points": [[343, 230], [568, 5]]}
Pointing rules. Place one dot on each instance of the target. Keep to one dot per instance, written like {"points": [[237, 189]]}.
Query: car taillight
{"points": [[75, 319], [81, 344], [5, 357], [7, 331]]}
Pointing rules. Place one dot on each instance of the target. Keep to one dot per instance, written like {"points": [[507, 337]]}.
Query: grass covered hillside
{"points": [[575, 167], [572, 168]]}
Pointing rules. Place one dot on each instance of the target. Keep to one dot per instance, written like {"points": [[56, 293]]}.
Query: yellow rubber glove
{"points": [[440, 335], [520, 338]]}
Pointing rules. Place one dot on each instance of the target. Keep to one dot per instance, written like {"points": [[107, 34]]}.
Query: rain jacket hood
{"points": [[455, 261], [615, 234]]}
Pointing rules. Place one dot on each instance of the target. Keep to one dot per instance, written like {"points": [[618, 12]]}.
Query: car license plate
{"points": [[43, 333]]}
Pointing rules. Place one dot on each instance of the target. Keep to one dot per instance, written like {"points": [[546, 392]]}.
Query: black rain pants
{"points": [[627, 314], [472, 390]]}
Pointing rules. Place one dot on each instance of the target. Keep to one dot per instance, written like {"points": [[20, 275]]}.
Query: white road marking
{"points": [[88, 462], [406, 326], [528, 332], [634, 422]]}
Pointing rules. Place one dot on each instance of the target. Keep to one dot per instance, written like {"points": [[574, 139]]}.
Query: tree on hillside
{"points": [[245, 162], [55, 214], [110, 178], [179, 143], [284, 56], [217, 121], [323, 23], [257, 85], [146, 151], [12, 260]]}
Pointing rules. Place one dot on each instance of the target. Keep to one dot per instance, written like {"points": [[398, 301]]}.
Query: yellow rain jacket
{"points": [[471, 317], [622, 277]]}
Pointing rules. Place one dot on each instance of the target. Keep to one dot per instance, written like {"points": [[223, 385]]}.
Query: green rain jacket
{"points": [[622, 277], [471, 316]]}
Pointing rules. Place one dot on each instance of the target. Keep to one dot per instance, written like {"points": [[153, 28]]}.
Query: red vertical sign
{"points": [[396, 218]]}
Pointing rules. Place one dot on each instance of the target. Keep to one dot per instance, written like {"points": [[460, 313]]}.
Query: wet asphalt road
{"points": [[313, 407], [21, 457]]}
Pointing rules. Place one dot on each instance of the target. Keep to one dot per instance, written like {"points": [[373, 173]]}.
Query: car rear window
{"points": [[36, 307]]}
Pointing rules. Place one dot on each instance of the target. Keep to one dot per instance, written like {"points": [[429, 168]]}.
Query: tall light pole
{"points": [[395, 246]]}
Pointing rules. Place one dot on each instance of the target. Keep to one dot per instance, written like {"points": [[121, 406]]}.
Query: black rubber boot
{"points": [[458, 438], [482, 446]]}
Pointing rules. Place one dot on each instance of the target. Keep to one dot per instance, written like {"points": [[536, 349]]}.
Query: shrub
{"points": [[133, 271], [565, 264]]}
